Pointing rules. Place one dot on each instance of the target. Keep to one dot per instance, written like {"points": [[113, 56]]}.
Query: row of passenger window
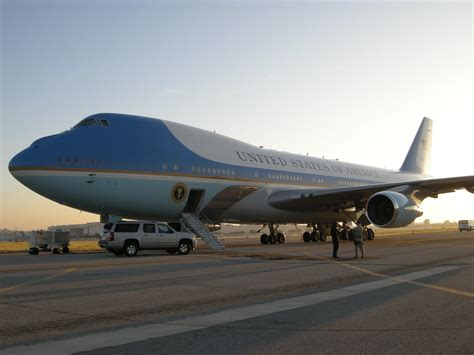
{"points": [[217, 171], [173, 167], [285, 177], [351, 183]]}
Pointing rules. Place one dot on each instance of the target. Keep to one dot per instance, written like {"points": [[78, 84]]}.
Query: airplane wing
{"points": [[345, 197]]}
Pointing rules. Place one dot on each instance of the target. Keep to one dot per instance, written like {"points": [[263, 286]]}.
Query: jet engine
{"points": [[390, 209]]}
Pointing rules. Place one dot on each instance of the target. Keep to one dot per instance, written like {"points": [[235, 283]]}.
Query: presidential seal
{"points": [[178, 192]]}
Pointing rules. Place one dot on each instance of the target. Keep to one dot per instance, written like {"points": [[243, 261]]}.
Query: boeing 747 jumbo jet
{"points": [[123, 166]]}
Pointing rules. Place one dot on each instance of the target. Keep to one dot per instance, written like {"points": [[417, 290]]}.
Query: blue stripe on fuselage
{"points": [[141, 144]]}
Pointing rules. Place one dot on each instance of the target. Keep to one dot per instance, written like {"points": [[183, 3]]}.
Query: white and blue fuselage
{"points": [[145, 168]]}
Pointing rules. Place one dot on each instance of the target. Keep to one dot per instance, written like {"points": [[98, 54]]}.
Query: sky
{"points": [[345, 80]]}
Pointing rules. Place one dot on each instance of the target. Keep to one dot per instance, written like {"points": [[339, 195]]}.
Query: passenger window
{"points": [[164, 229], [149, 228], [126, 228]]}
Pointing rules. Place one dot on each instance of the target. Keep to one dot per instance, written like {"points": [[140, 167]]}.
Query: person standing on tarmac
{"points": [[335, 240], [357, 234]]}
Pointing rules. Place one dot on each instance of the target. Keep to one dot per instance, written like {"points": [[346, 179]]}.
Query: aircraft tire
{"points": [[264, 239], [130, 248], [370, 234], [306, 237], [33, 251], [280, 238], [314, 236], [273, 238]]}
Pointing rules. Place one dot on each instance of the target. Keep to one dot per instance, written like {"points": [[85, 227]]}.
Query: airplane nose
{"points": [[19, 161], [38, 155]]}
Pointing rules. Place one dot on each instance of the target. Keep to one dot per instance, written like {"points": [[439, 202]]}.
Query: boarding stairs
{"points": [[193, 222]]}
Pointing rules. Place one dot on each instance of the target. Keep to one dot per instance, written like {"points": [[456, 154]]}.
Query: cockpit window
{"points": [[92, 122], [85, 122]]}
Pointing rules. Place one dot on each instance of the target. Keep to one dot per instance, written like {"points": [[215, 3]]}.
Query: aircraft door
{"points": [[194, 201]]}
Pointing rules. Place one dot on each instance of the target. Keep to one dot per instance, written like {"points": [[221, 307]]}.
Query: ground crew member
{"points": [[335, 240], [357, 234]]}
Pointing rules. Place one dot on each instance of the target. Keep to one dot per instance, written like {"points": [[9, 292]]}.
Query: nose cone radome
{"points": [[41, 154], [19, 161]]}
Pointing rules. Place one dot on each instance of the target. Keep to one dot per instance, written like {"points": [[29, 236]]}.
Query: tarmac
{"points": [[410, 294]]}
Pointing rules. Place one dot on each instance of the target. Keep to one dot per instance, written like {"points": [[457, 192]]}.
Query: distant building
{"points": [[87, 230], [7, 235]]}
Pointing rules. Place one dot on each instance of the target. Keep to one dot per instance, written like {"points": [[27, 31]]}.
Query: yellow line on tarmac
{"points": [[38, 280], [399, 279]]}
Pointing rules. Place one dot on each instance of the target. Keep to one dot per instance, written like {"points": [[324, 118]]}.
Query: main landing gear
{"points": [[370, 234], [317, 235], [274, 237]]}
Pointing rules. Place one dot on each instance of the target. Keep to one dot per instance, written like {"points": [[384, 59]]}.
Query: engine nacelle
{"points": [[390, 209]]}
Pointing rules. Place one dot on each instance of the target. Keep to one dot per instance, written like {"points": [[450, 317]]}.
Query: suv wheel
{"points": [[131, 248], [184, 247]]}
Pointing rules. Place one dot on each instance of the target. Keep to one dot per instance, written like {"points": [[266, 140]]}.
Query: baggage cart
{"points": [[51, 241]]}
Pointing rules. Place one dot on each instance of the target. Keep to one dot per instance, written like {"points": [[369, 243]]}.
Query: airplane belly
{"points": [[132, 196], [255, 209], [141, 196], [102, 194]]}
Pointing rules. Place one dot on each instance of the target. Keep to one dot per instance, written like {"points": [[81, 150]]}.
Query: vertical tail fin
{"points": [[418, 159]]}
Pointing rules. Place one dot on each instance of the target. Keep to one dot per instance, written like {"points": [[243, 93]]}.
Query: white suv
{"points": [[129, 237]]}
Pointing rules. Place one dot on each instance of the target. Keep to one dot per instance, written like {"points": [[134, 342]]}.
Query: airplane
{"points": [[124, 166]]}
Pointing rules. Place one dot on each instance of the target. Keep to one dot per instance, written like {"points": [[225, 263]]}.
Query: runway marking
{"points": [[397, 278], [421, 241], [158, 330], [37, 280], [104, 264]]}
